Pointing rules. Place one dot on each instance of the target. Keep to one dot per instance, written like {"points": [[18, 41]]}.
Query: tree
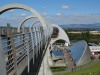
{"points": [[88, 36]]}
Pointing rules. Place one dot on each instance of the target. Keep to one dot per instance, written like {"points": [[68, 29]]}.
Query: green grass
{"points": [[58, 68], [90, 62], [93, 70]]}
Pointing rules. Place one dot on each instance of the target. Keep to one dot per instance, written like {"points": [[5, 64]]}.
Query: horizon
{"points": [[55, 12]]}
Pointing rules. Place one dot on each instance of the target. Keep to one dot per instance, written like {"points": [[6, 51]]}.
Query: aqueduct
{"points": [[30, 55]]}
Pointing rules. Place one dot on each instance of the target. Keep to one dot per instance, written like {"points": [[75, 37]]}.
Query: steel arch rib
{"points": [[24, 20], [21, 6], [32, 36], [32, 25]]}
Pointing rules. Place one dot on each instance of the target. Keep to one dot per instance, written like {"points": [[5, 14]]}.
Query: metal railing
{"points": [[18, 46]]}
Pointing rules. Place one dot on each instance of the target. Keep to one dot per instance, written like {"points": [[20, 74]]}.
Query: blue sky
{"points": [[62, 11]]}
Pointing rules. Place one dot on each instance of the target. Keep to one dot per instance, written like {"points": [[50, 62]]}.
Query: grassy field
{"points": [[58, 68], [93, 70]]}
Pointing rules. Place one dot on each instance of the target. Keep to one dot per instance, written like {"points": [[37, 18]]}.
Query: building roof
{"points": [[77, 50], [92, 44]]}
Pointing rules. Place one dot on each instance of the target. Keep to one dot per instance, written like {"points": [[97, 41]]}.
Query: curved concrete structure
{"points": [[21, 6], [45, 66], [47, 61], [61, 36], [37, 15]]}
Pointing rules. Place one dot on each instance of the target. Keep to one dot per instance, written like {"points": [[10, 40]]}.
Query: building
{"points": [[95, 49], [80, 53]]}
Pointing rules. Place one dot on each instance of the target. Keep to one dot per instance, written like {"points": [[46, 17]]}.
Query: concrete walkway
{"points": [[68, 59]]}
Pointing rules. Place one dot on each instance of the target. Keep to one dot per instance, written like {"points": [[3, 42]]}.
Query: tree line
{"points": [[87, 36]]}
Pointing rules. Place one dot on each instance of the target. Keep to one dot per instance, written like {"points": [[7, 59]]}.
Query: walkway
{"points": [[68, 59]]}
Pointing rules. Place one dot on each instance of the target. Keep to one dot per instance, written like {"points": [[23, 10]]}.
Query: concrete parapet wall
{"points": [[2, 61], [45, 67]]}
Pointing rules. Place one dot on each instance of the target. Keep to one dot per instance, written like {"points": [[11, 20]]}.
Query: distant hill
{"points": [[96, 25]]}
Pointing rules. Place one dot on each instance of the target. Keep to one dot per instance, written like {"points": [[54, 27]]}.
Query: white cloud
{"points": [[74, 19], [58, 14], [56, 19], [65, 7], [23, 14]]}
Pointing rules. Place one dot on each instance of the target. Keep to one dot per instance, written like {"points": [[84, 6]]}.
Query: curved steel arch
{"points": [[32, 25], [50, 29], [30, 30], [50, 26], [24, 20], [21, 6]]}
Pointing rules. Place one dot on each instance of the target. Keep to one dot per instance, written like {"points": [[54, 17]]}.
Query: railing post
{"points": [[36, 42], [39, 40], [11, 46], [27, 48], [42, 39], [26, 44], [32, 38], [45, 38]]}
